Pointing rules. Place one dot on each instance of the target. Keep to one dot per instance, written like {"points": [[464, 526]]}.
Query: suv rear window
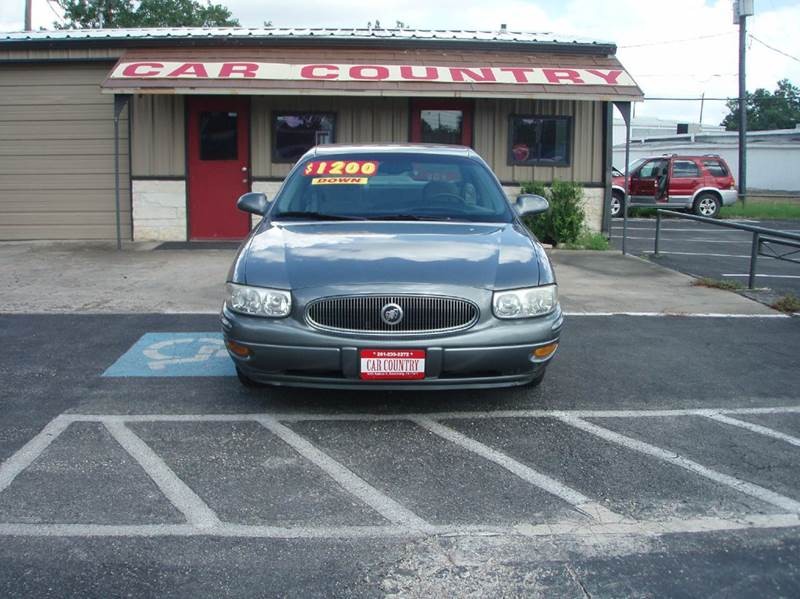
{"points": [[715, 168]]}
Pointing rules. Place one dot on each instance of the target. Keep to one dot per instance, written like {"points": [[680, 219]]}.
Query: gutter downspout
{"points": [[120, 102]]}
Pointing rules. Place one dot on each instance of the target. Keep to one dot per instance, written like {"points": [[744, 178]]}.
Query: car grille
{"points": [[421, 314]]}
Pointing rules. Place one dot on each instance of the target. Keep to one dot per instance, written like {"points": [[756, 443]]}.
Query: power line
{"points": [[681, 41], [766, 45]]}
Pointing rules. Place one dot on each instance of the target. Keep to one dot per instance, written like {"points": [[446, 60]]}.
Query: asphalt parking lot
{"points": [[653, 461], [703, 250]]}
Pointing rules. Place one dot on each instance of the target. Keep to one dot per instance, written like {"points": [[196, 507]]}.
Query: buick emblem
{"points": [[391, 314]]}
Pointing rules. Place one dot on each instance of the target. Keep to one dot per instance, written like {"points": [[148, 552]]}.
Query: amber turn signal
{"points": [[545, 351], [239, 350]]}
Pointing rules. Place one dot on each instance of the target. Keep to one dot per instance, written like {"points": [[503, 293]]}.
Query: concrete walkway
{"points": [[94, 277]]}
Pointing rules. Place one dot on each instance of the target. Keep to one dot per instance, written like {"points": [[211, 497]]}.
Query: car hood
{"points": [[300, 255]]}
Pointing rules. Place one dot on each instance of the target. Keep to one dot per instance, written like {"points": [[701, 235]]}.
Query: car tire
{"points": [[616, 204], [706, 204], [246, 381]]}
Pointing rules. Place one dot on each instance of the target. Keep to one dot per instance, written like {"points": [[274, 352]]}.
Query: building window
{"points": [[218, 135], [539, 140], [297, 132]]}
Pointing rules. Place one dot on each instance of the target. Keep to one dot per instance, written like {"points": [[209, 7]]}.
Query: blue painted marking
{"points": [[174, 354]]}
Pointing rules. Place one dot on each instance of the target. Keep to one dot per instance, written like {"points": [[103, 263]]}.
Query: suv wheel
{"points": [[616, 204], [707, 204]]}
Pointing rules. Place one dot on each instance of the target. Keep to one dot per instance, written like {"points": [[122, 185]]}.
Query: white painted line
{"points": [[578, 500], [26, 454], [707, 254], [295, 417], [677, 314], [178, 493], [763, 276], [569, 529], [756, 428], [676, 239], [346, 478], [742, 486]]}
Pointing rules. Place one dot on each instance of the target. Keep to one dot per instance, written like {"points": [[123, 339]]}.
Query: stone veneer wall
{"points": [[159, 210]]}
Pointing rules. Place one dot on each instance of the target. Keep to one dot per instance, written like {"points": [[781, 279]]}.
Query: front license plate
{"points": [[392, 364]]}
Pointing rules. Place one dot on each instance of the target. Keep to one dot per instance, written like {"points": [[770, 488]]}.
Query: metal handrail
{"points": [[775, 236]]}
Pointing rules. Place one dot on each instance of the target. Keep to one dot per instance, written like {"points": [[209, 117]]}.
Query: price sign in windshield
{"points": [[361, 168]]}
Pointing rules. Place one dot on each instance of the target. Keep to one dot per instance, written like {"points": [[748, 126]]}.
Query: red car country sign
{"points": [[371, 72]]}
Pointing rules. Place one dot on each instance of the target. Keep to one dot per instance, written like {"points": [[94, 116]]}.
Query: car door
{"points": [[684, 179], [643, 181]]}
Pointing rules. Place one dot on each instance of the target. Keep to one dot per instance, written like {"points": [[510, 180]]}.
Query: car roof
{"points": [[399, 148], [685, 156]]}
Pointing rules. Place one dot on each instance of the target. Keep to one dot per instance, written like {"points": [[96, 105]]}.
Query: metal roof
{"points": [[255, 34]]}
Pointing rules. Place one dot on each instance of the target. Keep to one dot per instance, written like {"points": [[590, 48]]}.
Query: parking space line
{"points": [[742, 486], [290, 417], [576, 499], [26, 455], [756, 428], [346, 478], [174, 489], [762, 275], [679, 240], [677, 314], [568, 529]]}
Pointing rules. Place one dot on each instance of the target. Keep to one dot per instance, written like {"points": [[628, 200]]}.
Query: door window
{"points": [[218, 135], [651, 169], [685, 169], [441, 126]]}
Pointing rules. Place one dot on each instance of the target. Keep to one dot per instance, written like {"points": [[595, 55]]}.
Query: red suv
{"points": [[702, 184]]}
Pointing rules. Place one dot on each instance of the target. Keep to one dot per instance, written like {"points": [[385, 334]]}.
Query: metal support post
{"points": [[658, 231], [751, 280]]}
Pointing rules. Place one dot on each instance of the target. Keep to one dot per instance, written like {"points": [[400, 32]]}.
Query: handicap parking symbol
{"points": [[174, 354]]}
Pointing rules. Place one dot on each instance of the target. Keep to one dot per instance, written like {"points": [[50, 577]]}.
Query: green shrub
{"points": [[563, 223], [588, 240]]}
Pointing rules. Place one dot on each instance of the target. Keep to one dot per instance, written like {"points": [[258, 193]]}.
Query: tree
{"points": [[765, 110], [113, 14]]}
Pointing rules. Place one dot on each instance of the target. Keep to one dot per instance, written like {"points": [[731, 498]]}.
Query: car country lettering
{"points": [[517, 75]]}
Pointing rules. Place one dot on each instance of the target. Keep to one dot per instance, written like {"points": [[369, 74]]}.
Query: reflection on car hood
{"points": [[299, 255]]}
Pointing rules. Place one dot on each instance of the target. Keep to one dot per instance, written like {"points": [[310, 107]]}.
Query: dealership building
{"points": [[152, 134]]}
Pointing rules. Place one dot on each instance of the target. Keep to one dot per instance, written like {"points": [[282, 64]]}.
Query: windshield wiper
{"points": [[316, 215]]}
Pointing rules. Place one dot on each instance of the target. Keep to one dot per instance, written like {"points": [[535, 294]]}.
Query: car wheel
{"points": [[707, 205], [616, 205], [246, 380]]}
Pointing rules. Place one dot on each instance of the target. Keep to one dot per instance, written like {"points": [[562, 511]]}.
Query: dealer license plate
{"points": [[392, 364]]}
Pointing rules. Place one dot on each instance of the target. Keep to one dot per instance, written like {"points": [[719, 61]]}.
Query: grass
{"points": [[788, 303], [587, 240], [752, 209], [761, 209], [725, 284]]}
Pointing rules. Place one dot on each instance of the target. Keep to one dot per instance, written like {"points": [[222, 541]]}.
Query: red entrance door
{"points": [[219, 166], [441, 122]]}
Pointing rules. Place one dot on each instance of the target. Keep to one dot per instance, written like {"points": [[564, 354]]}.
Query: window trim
{"points": [[570, 140], [273, 121]]}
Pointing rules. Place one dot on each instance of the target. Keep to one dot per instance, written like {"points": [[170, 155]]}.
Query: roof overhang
{"points": [[339, 72]]}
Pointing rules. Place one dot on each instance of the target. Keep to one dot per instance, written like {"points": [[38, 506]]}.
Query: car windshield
{"points": [[392, 187], [636, 164]]}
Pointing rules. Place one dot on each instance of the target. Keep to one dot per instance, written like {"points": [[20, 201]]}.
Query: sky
{"points": [[674, 48]]}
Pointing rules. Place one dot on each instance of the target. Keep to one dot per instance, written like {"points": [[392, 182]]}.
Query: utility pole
{"points": [[741, 10], [28, 15]]}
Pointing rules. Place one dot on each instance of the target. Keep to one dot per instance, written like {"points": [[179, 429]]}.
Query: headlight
{"points": [[258, 301], [525, 303]]}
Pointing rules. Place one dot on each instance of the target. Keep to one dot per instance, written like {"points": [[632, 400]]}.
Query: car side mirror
{"points": [[253, 202], [529, 204]]}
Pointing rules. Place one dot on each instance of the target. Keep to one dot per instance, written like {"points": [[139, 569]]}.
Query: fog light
{"points": [[545, 351], [239, 350]]}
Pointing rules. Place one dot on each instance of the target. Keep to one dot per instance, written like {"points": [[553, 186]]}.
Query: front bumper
{"points": [[493, 354]]}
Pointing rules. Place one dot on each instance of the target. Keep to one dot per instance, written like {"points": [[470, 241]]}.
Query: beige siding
{"points": [[57, 153], [491, 130], [62, 54], [157, 136], [387, 120], [358, 120]]}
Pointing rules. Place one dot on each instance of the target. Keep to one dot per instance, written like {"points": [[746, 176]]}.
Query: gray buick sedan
{"points": [[391, 267]]}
